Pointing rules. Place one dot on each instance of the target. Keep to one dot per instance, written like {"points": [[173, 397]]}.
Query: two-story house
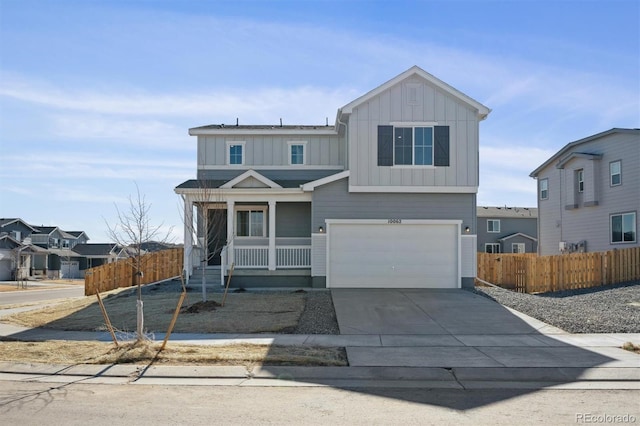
{"points": [[507, 229], [59, 258], [589, 194], [385, 197]]}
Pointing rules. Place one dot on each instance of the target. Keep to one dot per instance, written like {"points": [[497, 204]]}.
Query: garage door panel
{"points": [[393, 255]]}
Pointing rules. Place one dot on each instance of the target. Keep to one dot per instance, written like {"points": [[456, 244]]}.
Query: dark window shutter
{"points": [[385, 145], [441, 145]]}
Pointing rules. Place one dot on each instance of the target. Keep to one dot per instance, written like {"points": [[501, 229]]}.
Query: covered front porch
{"points": [[262, 230]]}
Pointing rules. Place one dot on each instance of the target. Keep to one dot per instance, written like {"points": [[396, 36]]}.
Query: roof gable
{"points": [[482, 111], [563, 151], [251, 179]]}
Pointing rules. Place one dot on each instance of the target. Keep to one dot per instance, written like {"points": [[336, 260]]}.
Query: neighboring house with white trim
{"points": [[385, 197], [507, 229], [589, 194]]}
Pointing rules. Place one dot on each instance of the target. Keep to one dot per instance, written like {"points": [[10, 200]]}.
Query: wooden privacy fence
{"points": [[156, 266], [529, 273]]}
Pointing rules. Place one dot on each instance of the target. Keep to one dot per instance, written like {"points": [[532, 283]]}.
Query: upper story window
{"points": [[250, 222], [65, 243], [623, 228], [297, 153], [16, 235], [413, 145], [493, 225], [580, 180], [615, 171], [235, 153], [544, 189]]}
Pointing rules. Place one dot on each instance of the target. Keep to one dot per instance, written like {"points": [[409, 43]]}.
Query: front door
{"points": [[216, 235]]}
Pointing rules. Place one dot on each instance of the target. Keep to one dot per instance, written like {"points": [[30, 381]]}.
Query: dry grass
{"points": [[67, 352], [242, 313], [629, 346]]}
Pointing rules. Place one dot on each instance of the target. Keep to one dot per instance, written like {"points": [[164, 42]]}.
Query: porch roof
{"points": [[217, 183]]}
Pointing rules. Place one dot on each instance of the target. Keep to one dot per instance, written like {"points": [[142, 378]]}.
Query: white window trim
{"points": [[304, 152], [635, 218], [413, 126], [546, 180], [495, 245], [248, 208], [244, 152], [494, 230], [611, 174], [518, 245]]}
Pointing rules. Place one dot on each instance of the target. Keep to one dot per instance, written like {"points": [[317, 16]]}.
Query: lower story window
{"points": [[250, 223], [492, 248], [623, 228], [517, 248]]}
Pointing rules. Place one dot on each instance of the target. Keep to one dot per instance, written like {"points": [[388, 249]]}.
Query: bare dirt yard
{"points": [[245, 312]]}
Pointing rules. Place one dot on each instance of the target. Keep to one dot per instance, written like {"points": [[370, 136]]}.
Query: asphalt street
{"points": [[40, 295]]}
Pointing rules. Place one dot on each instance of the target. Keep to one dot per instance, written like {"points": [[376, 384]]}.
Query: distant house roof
{"points": [[77, 234], [97, 249], [8, 221], [506, 212], [517, 234], [45, 229], [7, 242], [559, 156]]}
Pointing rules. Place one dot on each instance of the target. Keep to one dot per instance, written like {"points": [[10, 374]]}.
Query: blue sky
{"points": [[98, 96]]}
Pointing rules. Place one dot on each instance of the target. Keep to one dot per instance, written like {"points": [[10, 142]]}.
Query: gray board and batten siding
{"points": [[334, 201], [271, 150], [563, 217], [430, 105]]}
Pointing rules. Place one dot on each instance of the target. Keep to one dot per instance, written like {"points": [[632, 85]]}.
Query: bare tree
{"points": [[132, 230], [210, 228]]}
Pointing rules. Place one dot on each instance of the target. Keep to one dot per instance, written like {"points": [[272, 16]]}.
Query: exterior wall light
{"points": [[467, 229], [321, 230]]}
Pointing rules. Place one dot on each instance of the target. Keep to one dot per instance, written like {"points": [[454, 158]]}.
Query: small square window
{"points": [[615, 171], [493, 225], [544, 189]]}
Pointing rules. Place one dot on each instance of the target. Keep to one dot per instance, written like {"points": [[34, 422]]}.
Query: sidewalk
{"points": [[548, 358]]}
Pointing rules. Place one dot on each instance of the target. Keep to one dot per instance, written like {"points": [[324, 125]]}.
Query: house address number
{"points": [[394, 221]]}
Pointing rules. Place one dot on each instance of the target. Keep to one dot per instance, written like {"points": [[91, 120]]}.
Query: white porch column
{"points": [[188, 237], [272, 235], [230, 233]]}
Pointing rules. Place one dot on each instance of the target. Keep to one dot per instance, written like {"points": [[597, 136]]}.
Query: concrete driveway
{"points": [[422, 312], [456, 328]]}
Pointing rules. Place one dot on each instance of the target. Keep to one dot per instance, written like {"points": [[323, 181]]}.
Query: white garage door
{"points": [[70, 269], [5, 269], [379, 254]]}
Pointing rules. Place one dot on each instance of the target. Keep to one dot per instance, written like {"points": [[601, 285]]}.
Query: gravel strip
{"points": [[319, 316], [608, 309]]}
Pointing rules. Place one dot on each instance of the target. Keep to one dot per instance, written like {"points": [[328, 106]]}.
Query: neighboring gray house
{"points": [[507, 229], [59, 260], [97, 254], [589, 194], [16, 228], [385, 197]]}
